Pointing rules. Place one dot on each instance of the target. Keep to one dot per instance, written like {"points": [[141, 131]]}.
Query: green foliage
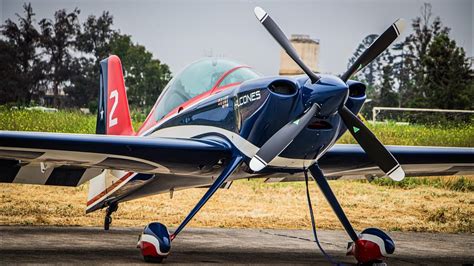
{"points": [[145, 77], [94, 41], [21, 66], [461, 184], [65, 55], [426, 70], [63, 121], [370, 73], [448, 83], [461, 135], [58, 38], [454, 135], [66, 121]]}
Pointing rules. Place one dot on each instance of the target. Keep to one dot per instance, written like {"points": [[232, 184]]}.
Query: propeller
{"points": [[367, 140], [377, 47], [281, 139], [375, 150], [280, 37]]}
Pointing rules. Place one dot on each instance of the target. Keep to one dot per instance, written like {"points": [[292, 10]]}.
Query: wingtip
{"points": [[398, 174], [260, 13], [257, 164]]}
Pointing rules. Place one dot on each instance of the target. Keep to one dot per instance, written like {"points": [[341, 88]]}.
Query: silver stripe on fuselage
{"points": [[244, 146]]}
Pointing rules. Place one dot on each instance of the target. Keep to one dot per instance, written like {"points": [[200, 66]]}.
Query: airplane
{"points": [[218, 121]]}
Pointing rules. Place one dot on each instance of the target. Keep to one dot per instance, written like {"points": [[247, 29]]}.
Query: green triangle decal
{"points": [[296, 122], [355, 129]]}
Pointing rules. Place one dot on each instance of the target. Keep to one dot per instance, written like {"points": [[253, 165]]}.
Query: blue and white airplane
{"points": [[218, 121]]}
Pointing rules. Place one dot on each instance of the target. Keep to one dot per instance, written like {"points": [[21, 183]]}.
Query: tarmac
{"points": [[92, 245]]}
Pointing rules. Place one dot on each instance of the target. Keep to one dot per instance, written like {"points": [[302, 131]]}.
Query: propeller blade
{"points": [[280, 37], [372, 146], [382, 42], [280, 140]]}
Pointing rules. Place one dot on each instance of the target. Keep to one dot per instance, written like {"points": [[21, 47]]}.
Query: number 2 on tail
{"points": [[113, 120]]}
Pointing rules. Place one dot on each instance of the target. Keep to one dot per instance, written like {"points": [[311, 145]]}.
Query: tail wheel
{"points": [[107, 222]]}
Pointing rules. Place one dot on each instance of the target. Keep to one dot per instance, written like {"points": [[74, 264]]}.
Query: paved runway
{"points": [[80, 245]]}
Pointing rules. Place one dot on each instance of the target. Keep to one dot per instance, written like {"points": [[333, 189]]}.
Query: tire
{"points": [[151, 259], [107, 222]]}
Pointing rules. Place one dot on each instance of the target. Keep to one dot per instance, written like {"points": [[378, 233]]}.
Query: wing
{"points": [[72, 159], [345, 160]]}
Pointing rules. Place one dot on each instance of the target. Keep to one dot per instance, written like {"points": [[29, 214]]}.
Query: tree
{"points": [[370, 73], [448, 81], [387, 96], [403, 72], [418, 43], [58, 39], [145, 77], [21, 68], [94, 43], [96, 36], [61, 56]]}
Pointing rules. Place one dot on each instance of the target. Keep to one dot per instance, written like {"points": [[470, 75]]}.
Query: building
{"points": [[307, 48]]}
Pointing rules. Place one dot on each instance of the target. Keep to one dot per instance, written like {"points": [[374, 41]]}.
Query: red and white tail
{"points": [[113, 116]]}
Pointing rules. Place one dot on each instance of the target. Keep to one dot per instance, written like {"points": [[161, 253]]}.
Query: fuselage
{"points": [[245, 115]]}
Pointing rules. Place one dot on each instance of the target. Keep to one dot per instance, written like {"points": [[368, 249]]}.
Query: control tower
{"points": [[307, 48]]}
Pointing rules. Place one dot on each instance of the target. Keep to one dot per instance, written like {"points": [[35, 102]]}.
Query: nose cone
{"points": [[329, 92]]}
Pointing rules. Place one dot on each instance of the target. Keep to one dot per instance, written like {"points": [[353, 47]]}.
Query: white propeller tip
{"points": [[257, 164], [398, 174], [260, 13], [400, 24]]}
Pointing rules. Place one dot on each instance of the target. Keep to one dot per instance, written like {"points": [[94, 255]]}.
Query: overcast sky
{"points": [[179, 32]]}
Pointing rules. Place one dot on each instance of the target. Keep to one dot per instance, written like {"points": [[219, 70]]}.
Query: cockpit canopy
{"points": [[200, 77]]}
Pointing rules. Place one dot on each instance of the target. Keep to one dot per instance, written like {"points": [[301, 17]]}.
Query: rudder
{"points": [[113, 116]]}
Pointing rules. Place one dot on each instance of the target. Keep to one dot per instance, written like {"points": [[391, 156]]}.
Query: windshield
{"points": [[195, 79]]}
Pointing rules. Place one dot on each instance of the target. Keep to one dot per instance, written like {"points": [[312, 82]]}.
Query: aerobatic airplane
{"points": [[218, 121]]}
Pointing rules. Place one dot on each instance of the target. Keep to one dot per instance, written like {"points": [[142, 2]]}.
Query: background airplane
{"points": [[218, 121]]}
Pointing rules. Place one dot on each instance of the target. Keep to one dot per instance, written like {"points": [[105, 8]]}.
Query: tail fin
{"points": [[113, 116]]}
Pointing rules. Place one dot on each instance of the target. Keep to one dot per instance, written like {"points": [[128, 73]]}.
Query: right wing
{"points": [[72, 159], [348, 160]]}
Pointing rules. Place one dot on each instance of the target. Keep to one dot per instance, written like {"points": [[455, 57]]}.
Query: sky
{"points": [[182, 31]]}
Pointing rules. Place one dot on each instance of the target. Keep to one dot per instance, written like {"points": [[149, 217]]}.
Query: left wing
{"points": [[350, 161], [72, 159]]}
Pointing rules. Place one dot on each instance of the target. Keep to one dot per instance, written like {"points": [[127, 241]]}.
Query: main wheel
{"points": [[154, 242], [153, 259], [372, 246]]}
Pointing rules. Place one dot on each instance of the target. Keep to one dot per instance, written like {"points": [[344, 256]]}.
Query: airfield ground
{"points": [[441, 205], [421, 205], [83, 245]]}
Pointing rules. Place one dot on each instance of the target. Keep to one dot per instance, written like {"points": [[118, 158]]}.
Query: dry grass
{"points": [[254, 204]]}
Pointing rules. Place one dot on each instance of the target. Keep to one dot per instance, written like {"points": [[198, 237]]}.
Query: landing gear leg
{"points": [[372, 244], [155, 241], [108, 215]]}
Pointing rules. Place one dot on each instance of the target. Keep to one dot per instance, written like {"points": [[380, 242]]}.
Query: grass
{"points": [[461, 135], [71, 121], [439, 204], [254, 204], [455, 135], [461, 184]]}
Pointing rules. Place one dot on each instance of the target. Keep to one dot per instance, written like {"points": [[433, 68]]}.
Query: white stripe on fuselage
{"points": [[244, 146]]}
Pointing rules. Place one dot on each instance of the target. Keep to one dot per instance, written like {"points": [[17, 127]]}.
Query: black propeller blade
{"points": [[371, 145], [280, 37], [382, 42], [280, 140]]}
